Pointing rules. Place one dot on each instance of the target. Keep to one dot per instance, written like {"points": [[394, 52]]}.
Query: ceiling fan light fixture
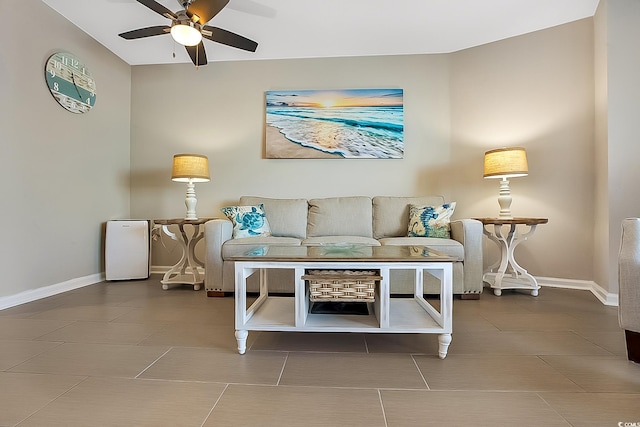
{"points": [[186, 34]]}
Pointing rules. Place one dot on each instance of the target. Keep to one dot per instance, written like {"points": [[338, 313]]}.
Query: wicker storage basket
{"points": [[342, 285]]}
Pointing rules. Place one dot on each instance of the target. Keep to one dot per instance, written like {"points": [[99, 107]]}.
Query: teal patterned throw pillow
{"points": [[248, 221], [431, 221]]}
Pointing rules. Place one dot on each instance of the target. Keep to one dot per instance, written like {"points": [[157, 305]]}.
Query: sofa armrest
{"points": [[216, 232], [469, 233]]}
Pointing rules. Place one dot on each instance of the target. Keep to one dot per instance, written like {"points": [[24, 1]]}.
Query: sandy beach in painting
{"points": [[280, 147]]}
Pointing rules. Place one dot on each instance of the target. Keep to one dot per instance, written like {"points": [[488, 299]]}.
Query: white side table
{"points": [[186, 270], [506, 273]]}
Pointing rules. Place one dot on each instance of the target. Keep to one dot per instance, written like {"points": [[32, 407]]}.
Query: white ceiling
{"points": [[325, 28]]}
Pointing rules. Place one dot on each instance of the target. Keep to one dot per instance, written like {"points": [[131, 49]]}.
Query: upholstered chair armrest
{"points": [[469, 233], [216, 232], [629, 276]]}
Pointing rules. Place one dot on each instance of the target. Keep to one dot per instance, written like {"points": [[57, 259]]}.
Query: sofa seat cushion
{"points": [[350, 240], [340, 216], [229, 245], [446, 246]]}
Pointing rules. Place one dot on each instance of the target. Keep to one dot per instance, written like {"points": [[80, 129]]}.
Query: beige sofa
{"points": [[355, 220]]}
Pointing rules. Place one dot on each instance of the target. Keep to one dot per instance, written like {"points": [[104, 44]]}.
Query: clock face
{"points": [[70, 82]]}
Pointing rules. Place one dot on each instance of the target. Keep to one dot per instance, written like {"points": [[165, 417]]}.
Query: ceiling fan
{"points": [[188, 28]]}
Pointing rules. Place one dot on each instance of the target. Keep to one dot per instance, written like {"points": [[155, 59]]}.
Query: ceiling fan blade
{"points": [[158, 8], [197, 54], [146, 32], [205, 9], [230, 39]]}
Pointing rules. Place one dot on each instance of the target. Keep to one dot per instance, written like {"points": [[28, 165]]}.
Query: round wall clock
{"points": [[70, 82]]}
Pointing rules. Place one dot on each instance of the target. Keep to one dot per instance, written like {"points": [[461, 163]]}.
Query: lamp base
{"points": [[191, 201], [504, 199]]}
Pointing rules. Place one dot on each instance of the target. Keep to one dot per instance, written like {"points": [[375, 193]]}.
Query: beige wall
{"points": [[218, 110], [535, 90], [62, 174], [601, 167], [620, 36]]}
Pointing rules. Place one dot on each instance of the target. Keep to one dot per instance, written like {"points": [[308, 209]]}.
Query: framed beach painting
{"points": [[345, 124]]}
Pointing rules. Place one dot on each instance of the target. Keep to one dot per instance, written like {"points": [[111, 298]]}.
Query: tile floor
{"points": [[131, 354]]}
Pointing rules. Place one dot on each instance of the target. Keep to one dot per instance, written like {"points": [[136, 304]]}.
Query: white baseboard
{"points": [[47, 291], [605, 297], [35, 294]]}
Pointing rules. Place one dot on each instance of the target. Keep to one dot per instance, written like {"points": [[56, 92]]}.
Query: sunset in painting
{"points": [[354, 123], [341, 98]]}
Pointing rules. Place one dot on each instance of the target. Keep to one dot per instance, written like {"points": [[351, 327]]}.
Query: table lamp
{"points": [[190, 168], [505, 163]]}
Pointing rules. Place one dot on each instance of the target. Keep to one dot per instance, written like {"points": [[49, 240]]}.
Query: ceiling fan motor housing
{"points": [[185, 3], [183, 19], [188, 27]]}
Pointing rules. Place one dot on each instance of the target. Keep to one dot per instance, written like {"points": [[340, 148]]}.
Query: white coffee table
{"points": [[386, 314]]}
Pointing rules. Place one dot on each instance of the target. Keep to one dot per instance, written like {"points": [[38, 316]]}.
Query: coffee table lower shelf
{"points": [[386, 315]]}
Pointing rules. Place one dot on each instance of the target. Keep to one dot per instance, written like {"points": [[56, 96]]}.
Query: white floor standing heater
{"points": [[127, 250]]}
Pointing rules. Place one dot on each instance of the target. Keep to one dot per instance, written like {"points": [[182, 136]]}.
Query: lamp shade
{"points": [[505, 163], [185, 34], [190, 167]]}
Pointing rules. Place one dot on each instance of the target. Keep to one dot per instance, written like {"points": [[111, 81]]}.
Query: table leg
{"points": [[241, 337], [175, 270], [185, 271], [192, 259], [510, 275], [443, 345]]}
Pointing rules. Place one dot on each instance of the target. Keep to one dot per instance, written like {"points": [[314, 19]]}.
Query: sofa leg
{"points": [[469, 296], [217, 294], [633, 345]]}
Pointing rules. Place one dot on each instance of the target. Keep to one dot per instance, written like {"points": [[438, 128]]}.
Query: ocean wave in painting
{"points": [[351, 132]]}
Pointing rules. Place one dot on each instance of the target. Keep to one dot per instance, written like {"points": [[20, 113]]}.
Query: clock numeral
{"points": [[70, 62], [64, 73]]}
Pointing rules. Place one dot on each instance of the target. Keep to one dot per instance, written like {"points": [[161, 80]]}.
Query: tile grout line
{"points": [[420, 372], [542, 359], [284, 364], [153, 363], [214, 405], [52, 400], [552, 408], [384, 414]]}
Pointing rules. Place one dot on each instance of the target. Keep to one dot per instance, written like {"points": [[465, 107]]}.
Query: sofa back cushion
{"points": [[287, 217], [340, 216], [391, 214]]}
